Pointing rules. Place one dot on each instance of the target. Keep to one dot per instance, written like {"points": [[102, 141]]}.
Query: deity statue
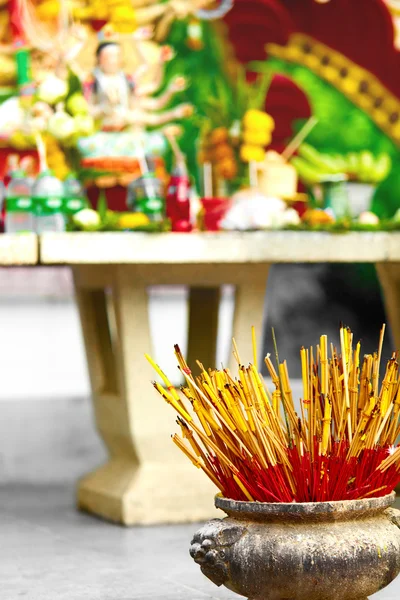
{"points": [[122, 103], [125, 114], [118, 100], [40, 19]]}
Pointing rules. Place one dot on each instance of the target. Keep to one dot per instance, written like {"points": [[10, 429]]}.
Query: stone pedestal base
{"points": [[147, 479]]}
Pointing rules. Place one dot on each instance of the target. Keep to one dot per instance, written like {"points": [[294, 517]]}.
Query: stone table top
{"points": [[18, 249], [198, 248], [222, 247]]}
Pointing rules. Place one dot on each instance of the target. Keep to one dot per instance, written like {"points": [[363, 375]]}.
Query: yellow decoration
{"points": [[396, 130], [359, 85], [331, 74], [123, 18], [294, 53], [364, 103], [48, 10], [380, 117], [257, 137], [115, 3], [56, 158], [312, 61], [132, 220], [8, 70], [125, 26], [19, 141], [257, 119], [252, 153], [98, 9], [120, 14], [350, 86], [62, 172]]}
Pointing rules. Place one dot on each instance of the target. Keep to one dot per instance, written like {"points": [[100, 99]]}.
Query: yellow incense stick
{"points": [[239, 419]]}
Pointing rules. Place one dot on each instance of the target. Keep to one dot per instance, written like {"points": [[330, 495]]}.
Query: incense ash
{"points": [[254, 446]]}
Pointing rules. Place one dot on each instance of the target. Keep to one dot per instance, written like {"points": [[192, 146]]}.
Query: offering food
{"points": [[313, 166]]}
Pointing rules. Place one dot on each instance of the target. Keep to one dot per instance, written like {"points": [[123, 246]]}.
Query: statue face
{"points": [[110, 59]]}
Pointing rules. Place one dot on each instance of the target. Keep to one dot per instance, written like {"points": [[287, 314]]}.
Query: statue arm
{"points": [[149, 14], [142, 117], [96, 109], [178, 84], [156, 103], [151, 87], [164, 25], [78, 71], [147, 89]]}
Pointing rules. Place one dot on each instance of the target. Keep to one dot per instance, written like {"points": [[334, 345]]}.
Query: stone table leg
{"points": [[389, 277], [251, 283], [146, 480], [203, 326], [249, 311]]}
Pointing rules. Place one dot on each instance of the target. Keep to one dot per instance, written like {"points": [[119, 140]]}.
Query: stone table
{"points": [[18, 249], [146, 480]]}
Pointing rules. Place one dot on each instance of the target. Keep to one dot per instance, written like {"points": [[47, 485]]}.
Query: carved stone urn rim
{"points": [[318, 511]]}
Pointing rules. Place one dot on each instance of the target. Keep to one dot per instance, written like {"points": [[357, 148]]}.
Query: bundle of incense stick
{"points": [[252, 444]]}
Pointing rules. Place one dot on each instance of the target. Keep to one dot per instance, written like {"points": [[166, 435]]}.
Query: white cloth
{"points": [[252, 210]]}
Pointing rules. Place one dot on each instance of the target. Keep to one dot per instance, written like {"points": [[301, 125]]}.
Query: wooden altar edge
{"points": [[18, 249], [222, 248]]}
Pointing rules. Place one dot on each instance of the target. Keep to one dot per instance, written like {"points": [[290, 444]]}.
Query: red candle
{"points": [[214, 211], [178, 202]]}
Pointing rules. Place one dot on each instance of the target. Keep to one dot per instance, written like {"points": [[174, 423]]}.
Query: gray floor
{"points": [[50, 552]]}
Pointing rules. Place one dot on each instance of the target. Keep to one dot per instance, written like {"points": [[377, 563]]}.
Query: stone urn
{"points": [[343, 550]]}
